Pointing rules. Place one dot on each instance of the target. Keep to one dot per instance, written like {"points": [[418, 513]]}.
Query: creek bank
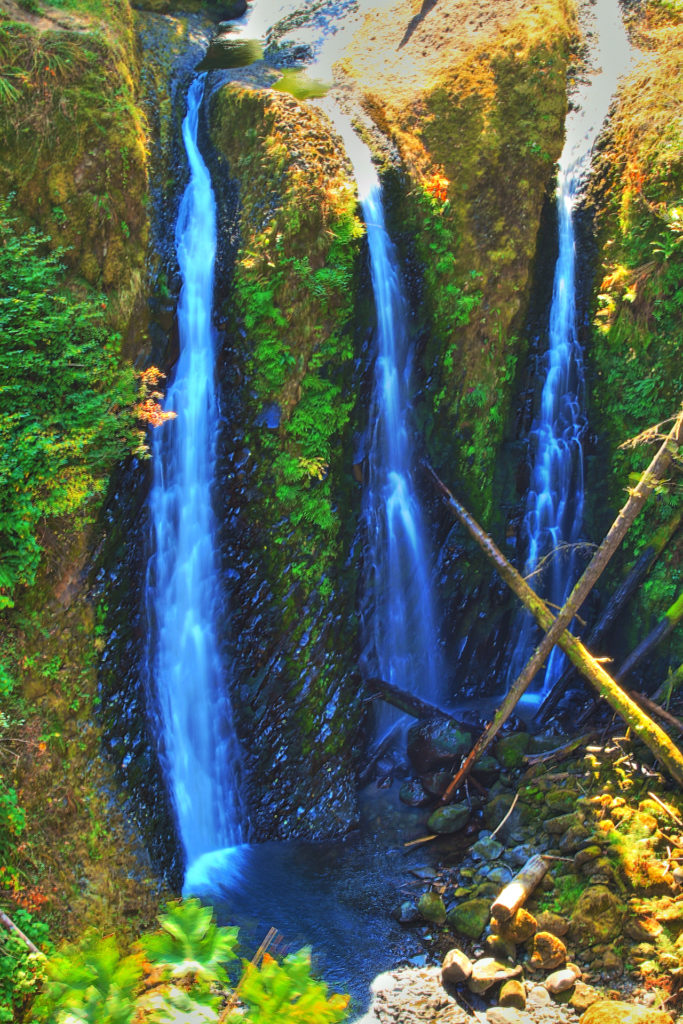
{"points": [[605, 922]]}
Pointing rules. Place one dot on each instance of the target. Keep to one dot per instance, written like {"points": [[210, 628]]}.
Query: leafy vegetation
{"points": [[177, 974]]}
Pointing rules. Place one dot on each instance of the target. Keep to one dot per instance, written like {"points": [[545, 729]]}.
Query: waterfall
{"points": [[399, 617], [187, 667], [554, 513]]}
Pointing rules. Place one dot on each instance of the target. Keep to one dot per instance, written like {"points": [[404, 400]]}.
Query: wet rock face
{"points": [[435, 744]]}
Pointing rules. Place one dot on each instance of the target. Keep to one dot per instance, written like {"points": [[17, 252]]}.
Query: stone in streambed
{"points": [[583, 996], [560, 981], [510, 750], [436, 743], [436, 783], [470, 917], [598, 916], [450, 819], [608, 1011], [513, 994], [497, 946], [456, 967], [547, 951], [507, 1015], [432, 908], [487, 971], [413, 794], [406, 912], [520, 927], [554, 923], [486, 849]]}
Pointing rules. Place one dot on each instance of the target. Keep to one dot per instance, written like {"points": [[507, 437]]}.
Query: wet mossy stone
{"points": [[486, 769], [437, 783], [436, 743], [561, 801], [413, 794], [406, 912], [432, 908], [598, 916], [498, 807], [513, 993], [520, 927], [486, 849], [547, 951], [510, 750], [470, 918], [446, 820], [608, 1011]]}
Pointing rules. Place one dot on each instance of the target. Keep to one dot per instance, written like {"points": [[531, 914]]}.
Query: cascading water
{"points": [[554, 514], [188, 671], [403, 646]]}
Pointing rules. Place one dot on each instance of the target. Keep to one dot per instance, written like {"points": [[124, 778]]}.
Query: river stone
{"points": [[436, 783], [414, 794], [510, 750], [520, 927], [486, 769], [519, 855], [583, 996], [560, 981], [486, 849], [507, 1015], [487, 971], [436, 743], [496, 945], [561, 824], [588, 853], [574, 838], [406, 912], [446, 820], [597, 917], [470, 918], [496, 809], [432, 908], [554, 923], [608, 1011], [642, 929], [513, 993], [499, 874], [547, 951], [561, 801], [456, 967]]}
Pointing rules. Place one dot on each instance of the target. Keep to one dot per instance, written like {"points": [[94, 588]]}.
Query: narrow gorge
{"points": [[277, 277]]}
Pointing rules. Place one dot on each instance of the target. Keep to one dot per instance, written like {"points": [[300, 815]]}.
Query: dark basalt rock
{"points": [[436, 744]]}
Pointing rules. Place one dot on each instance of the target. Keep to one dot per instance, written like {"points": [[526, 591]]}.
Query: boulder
{"points": [[496, 945], [413, 794], [547, 951], [456, 967], [510, 750], [431, 907], [470, 917], [436, 783], [406, 912], [560, 981], [487, 971], [561, 801], [436, 743], [513, 993], [554, 923], [486, 849], [446, 820], [507, 1015], [598, 916], [520, 927], [608, 1011], [583, 996]]}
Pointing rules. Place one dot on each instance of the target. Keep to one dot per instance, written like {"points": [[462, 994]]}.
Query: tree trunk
{"points": [[671, 618], [12, 928], [405, 701], [648, 731]]}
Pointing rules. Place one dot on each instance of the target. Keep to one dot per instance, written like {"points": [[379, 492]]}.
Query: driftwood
{"points": [[11, 927], [405, 701], [622, 595], [517, 892], [648, 731], [559, 753]]}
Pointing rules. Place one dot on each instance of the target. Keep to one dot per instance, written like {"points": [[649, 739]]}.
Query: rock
{"points": [[502, 949], [456, 967], [499, 874], [549, 922], [520, 927], [560, 981], [587, 854], [643, 929], [436, 783], [486, 849], [406, 912], [519, 855], [583, 996], [470, 918], [510, 750], [547, 951], [486, 770], [413, 794], [513, 993], [561, 801], [487, 971], [507, 1015], [446, 820], [538, 996], [431, 907], [608, 1011], [230, 51], [496, 809], [597, 917], [561, 824], [600, 871], [613, 964], [574, 838], [436, 743]]}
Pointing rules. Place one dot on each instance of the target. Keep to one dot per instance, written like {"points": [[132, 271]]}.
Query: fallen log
{"points": [[404, 701], [622, 595], [648, 731], [656, 710], [669, 686], [559, 753], [672, 617], [517, 892]]}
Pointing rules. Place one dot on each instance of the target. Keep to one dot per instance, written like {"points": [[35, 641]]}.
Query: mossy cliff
{"points": [[74, 148], [474, 99], [293, 611], [634, 360]]}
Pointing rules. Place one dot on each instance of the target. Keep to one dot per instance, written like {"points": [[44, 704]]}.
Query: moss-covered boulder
{"points": [[450, 819], [435, 743], [597, 917], [470, 917], [510, 749], [608, 1011], [432, 908]]}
